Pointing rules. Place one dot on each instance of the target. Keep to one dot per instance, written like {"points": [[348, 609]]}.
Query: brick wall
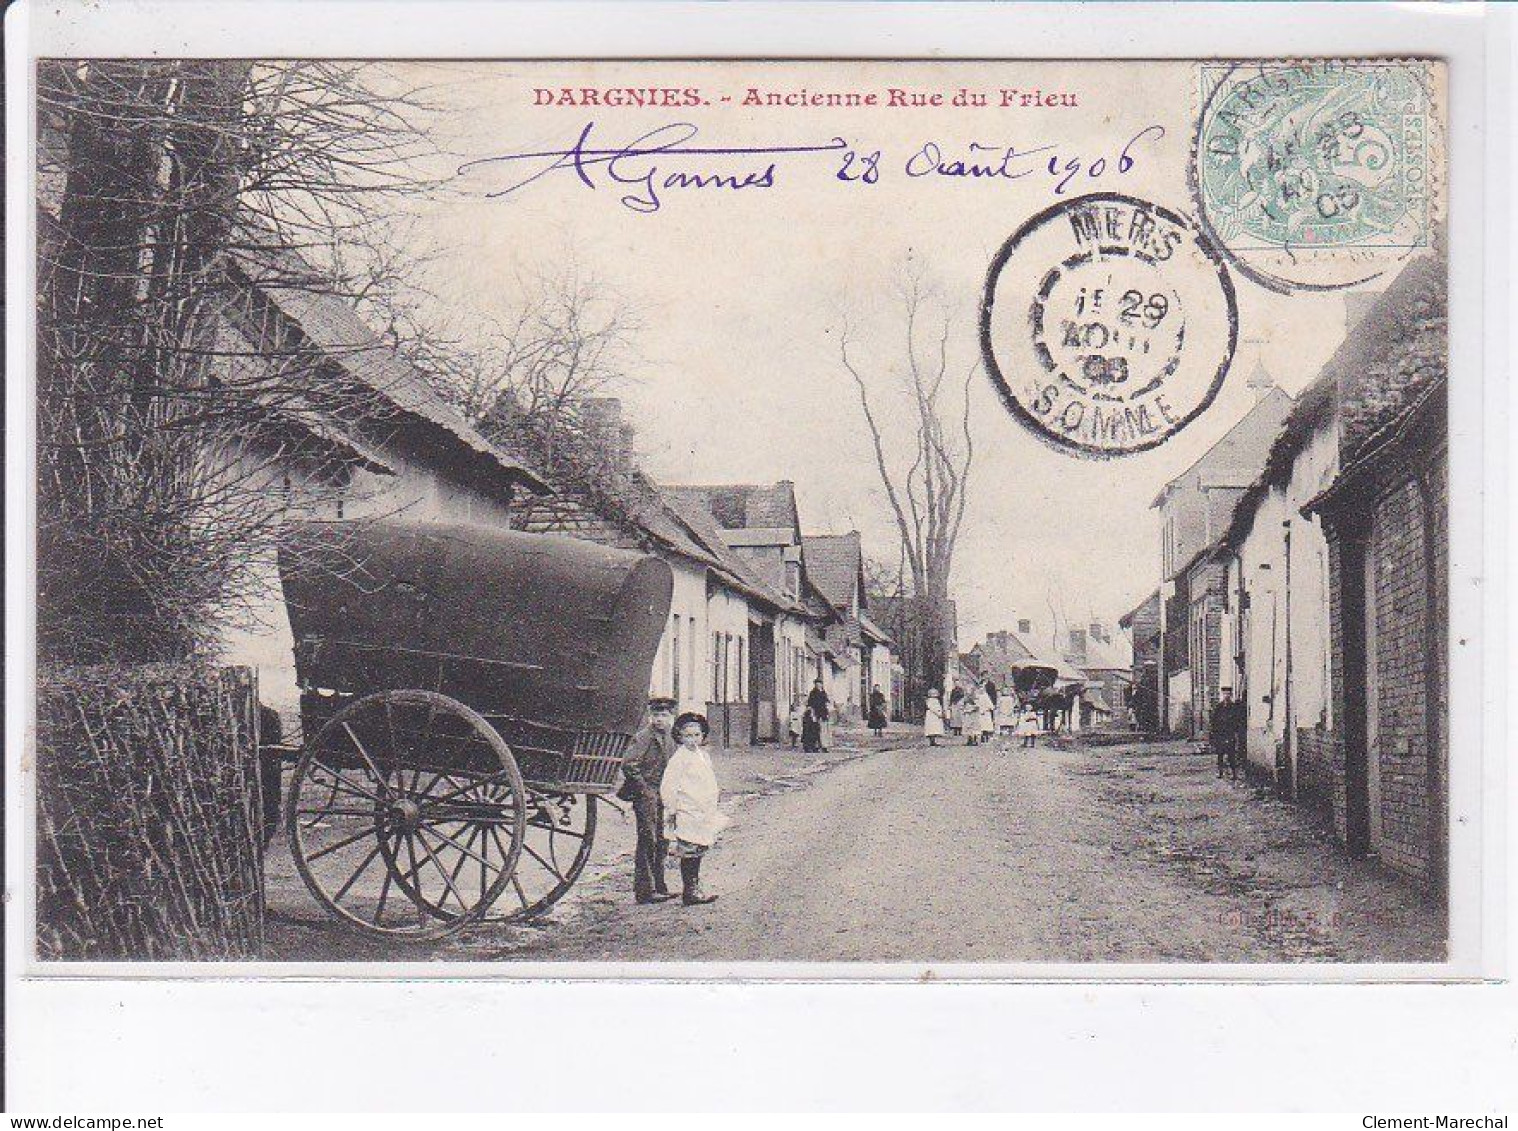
{"points": [[1317, 751], [1208, 583], [1337, 777], [1411, 814], [1411, 782]]}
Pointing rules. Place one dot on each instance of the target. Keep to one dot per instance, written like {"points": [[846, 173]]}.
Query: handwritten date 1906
{"points": [[637, 168]]}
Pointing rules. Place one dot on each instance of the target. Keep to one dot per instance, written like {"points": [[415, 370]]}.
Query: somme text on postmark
{"points": [[1108, 324], [1318, 174]]}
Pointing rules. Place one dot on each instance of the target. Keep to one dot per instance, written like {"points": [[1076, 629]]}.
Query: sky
{"points": [[740, 295]]}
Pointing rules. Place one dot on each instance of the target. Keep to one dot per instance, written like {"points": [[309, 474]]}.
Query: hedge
{"points": [[149, 815]]}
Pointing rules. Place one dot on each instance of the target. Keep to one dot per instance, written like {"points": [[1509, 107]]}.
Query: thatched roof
{"points": [[329, 322]]}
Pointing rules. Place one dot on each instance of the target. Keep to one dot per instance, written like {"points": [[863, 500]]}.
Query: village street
{"points": [[978, 854]]}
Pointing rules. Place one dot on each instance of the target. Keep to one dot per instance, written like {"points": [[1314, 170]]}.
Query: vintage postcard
{"points": [[961, 514]]}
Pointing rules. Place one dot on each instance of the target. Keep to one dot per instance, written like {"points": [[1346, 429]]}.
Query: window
{"points": [[1024, 626], [719, 663], [742, 673]]}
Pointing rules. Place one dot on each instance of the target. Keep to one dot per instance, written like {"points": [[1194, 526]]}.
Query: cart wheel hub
{"points": [[408, 815]]}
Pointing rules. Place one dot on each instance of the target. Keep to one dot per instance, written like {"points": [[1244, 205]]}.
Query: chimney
{"points": [[1260, 381], [1098, 633], [1077, 644], [601, 418]]}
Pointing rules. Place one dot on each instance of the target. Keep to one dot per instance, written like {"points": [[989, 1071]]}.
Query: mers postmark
{"points": [[1316, 174], [1108, 324]]}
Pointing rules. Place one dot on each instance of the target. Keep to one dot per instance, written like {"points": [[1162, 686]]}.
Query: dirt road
{"points": [[981, 854]]}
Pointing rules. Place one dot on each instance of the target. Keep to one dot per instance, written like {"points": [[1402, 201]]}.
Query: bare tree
{"points": [[167, 392], [884, 580], [927, 497]]}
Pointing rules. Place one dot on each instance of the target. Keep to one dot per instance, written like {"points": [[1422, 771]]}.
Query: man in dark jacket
{"points": [[821, 708], [1226, 734], [643, 767]]}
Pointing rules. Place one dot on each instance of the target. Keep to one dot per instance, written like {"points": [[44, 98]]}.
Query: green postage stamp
{"points": [[1296, 163]]}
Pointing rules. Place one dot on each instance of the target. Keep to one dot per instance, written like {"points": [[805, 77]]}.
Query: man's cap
{"points": [[661, 703]]}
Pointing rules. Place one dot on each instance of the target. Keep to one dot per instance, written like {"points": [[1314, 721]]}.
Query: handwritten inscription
{"points": [[665, 160]]}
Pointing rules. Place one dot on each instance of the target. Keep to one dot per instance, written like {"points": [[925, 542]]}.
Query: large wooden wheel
{"points": [[406, 815], [560, 830]]}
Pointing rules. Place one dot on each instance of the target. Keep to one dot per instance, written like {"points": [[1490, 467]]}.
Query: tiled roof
{"points": [[1276, 403], [834, 563], [736, 505], [1386, 326], [872, 630], [701, 525], [1104, 656], [331, 323], [1127, 619]]}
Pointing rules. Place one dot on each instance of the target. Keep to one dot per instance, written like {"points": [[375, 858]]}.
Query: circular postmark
{"points": [[1317, 174], [1108, 324]]}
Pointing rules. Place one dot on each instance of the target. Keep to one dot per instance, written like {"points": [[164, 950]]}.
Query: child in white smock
{"points": [[689, 793]]}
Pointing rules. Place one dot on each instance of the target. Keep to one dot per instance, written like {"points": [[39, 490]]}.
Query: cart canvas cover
{"points": [[553, 630]]}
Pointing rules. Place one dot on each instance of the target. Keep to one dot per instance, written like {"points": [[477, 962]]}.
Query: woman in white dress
{"points": [[986, 713], [1027, 727], [972, 716], [932, 718], [1006, 712]]}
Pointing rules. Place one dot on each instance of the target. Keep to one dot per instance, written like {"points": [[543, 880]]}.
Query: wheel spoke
{"points": [[342, 891], [379, 912], [364, 754], [516, 883], [441, 871], [464, 859], [340, 844], [437, 832], [485, 850], [416, 890], [471, 819], [527, 848], [493, 778], [347, 785], [556, 830]]}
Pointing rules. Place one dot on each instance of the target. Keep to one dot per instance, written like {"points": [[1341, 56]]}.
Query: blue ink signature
{"points": [[631, 164]]}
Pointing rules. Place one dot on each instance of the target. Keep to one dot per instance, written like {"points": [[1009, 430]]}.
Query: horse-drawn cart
{"points": [[466, 693]]}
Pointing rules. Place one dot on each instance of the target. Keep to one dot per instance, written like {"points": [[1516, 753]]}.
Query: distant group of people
{"points": [[980, 714], [811, 719]]}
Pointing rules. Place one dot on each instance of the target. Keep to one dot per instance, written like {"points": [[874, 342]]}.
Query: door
{"points": [[1352, 638], [762, 683]]}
